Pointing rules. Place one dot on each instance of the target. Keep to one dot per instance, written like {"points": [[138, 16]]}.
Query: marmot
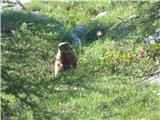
{"points": [[66, 58]]}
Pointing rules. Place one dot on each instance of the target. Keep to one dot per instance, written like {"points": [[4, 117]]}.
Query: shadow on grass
{"points": [[28, 93], [31, 91], [114, 31], [12, 20], [25, 75], [121, 31]]}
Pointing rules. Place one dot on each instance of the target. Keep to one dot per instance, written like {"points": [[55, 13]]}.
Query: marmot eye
{"points": [[66, 45], [60, 47]]}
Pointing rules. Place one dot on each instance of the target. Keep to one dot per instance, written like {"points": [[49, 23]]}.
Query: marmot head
{"points": [[64, 46]]}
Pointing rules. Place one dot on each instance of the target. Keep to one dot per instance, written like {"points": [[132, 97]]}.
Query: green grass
{"points": [[112, 97], [107, 84]]}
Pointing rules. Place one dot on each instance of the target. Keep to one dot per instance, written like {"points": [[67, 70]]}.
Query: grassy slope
{"points": [[94, 90]]}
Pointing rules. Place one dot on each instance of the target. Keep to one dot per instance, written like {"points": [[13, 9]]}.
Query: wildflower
{"points": [[141, 54]]}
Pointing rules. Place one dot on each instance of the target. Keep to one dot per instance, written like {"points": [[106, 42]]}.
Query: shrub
{"points": [[122, 58]]}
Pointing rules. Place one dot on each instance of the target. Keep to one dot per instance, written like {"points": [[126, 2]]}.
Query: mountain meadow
{"points": [[118, 50]]}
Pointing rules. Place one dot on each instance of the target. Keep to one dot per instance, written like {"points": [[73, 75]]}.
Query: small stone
{"points": [[75, 39], [79, 28], [150, 39], [99, 33], [101, 14]]}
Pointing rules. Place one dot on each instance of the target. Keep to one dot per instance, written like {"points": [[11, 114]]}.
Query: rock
{"points": [[153, 38], [75, 39], [6, 30], [157, 36], [101, 14], [154, 79], [132, 16], [14, 4], [22, 1], [79, 29], [35, 12], [78, 32], [150, 39], [99, 33]]}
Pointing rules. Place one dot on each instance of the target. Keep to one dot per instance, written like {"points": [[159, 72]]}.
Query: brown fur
{"points": [[66, 58]]}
